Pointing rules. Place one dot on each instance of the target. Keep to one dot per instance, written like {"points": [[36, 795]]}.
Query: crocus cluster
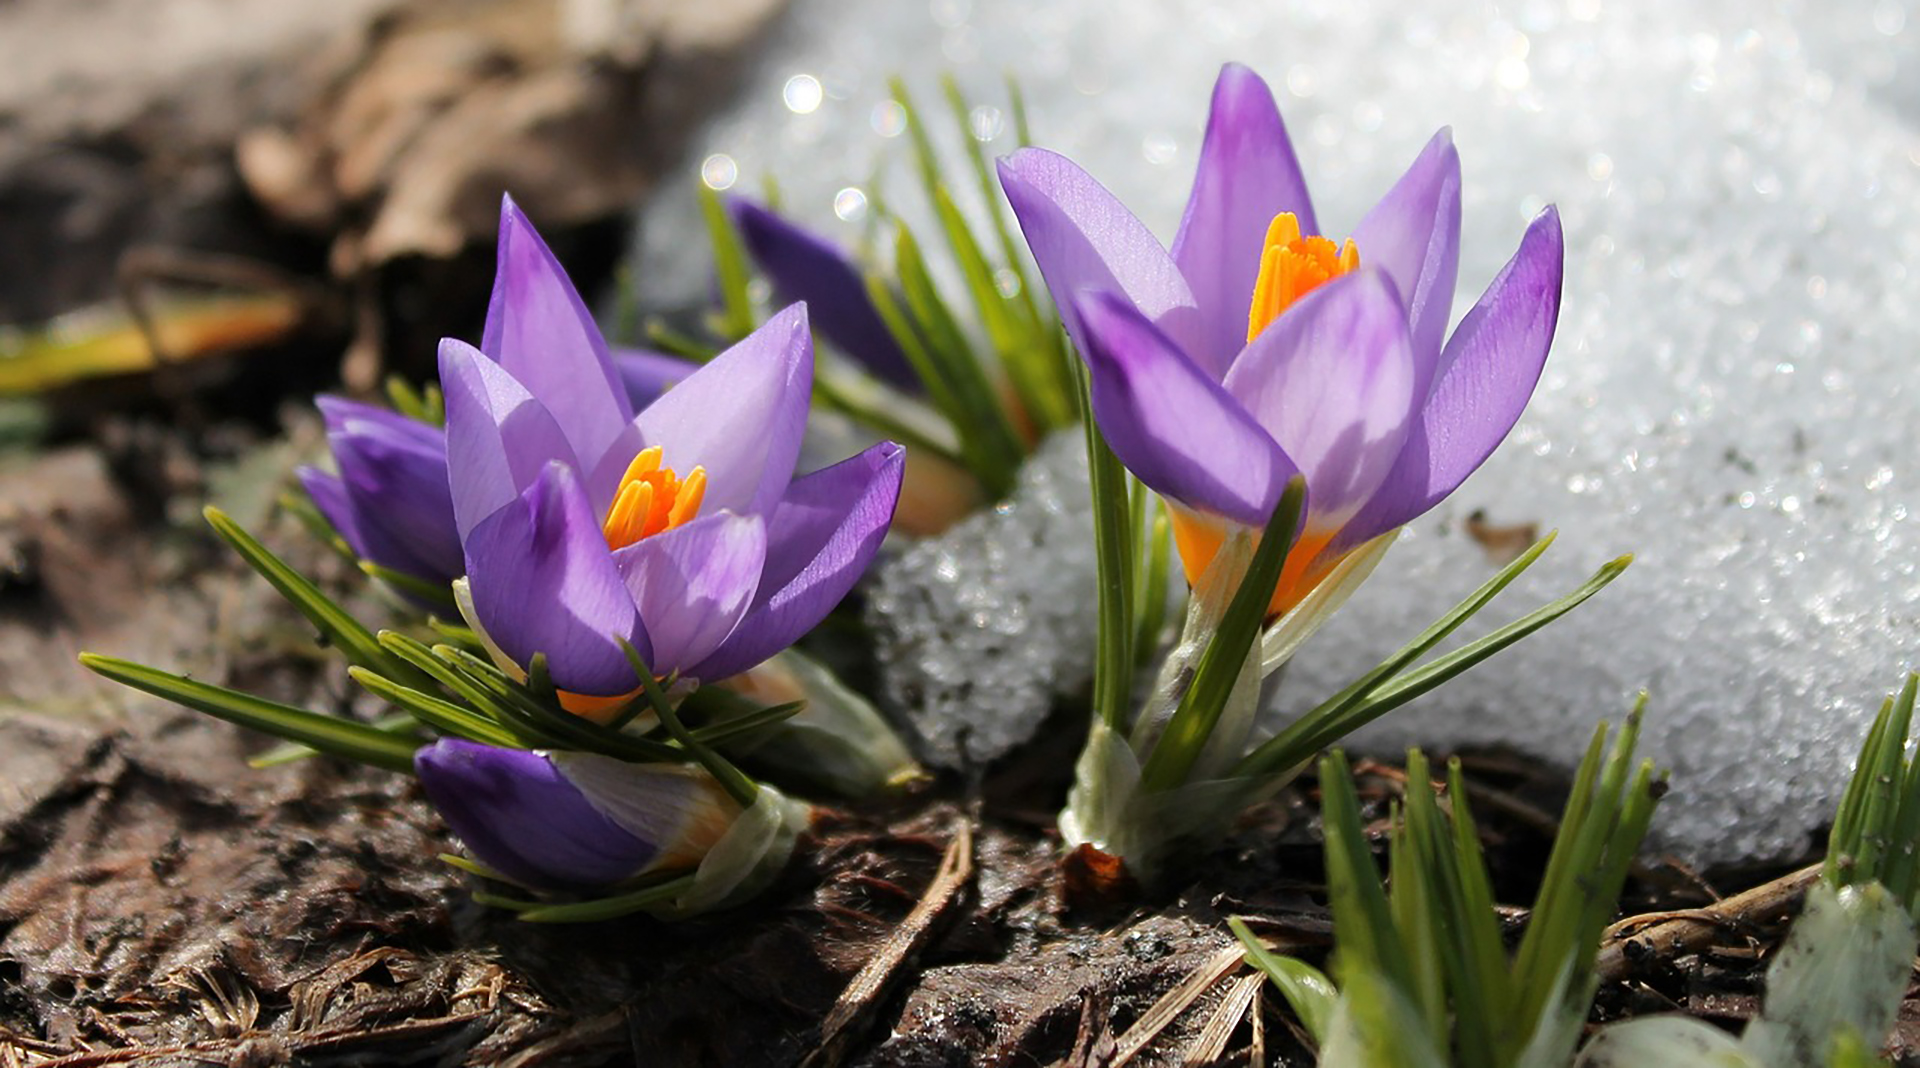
{"points": [[1256, 348], [588, 514]]}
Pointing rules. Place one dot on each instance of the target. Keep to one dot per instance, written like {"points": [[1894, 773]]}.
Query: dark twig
{"points": [[1671, 934], [870, 988]]}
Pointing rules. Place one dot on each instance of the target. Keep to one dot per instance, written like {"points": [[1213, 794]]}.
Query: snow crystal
{"points": [[1730, 395], [980, 628]]}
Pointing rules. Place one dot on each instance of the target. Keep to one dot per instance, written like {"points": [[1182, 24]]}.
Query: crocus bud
{"points": [[573, 820]]}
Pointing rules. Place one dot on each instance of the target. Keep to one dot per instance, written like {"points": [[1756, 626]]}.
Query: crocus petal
{"points": [[820, 540], [1171, 423], [1083, 239], [541, 332], [693, 583], [804, 266], [741, 416], [647, 374], [330, 497], [396, 479], [1247, 175], [350, 416], [681, 808], [499, 438], [1487, 373], [1332, 380], [520, 816], [1414, 235], [543, 581]]}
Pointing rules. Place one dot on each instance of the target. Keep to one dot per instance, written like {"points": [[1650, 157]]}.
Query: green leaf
{"points": [[1842, 970], [729, 266], [443, 716], [1600, 831], [571, 731], [607, 908], [1664, 1042], [398, 723], [432, 592], [1306, 988], [738, 786], [1383, 689], [327, 734], [1113, 556], [1226, 654], [354, 641], [986, 437], [1367, 941], [1376, 1027], [1153, 539]]}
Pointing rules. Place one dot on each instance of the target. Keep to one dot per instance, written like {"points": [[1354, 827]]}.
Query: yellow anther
{"points": [[652, 499], [1291, 266]]}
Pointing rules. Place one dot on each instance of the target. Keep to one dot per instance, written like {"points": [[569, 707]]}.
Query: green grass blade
{"points": [[741, 788], [1155, 544], [1285, 751], [729, 266], [980, 419], [1113, 556], [443, 716], [1369, 942], [1305, 987], [398, 723], [572, 732], [354, 641], [327, 734], [431, 592], [1381, 691]]}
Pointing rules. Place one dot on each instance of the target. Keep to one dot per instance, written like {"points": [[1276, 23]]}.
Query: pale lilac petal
{"points": [[541, 332], [519, 815], [741, 416], [1247, 175], [1414, 235], [1083, 239], [821, 538], [543, 581], [647, 374], [1487, 373], [499, 438], [1332, 380], [803, 266], [1172, 425], [693, 583]]}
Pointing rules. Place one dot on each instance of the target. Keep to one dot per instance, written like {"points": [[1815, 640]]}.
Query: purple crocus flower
{"points": [[680, 529], [562, 820], [804, 266], [1255, 349], [390, 499]]}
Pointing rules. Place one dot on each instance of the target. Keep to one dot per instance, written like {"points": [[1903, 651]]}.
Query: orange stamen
{"points": [[652, 499], [1291, 266]]}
